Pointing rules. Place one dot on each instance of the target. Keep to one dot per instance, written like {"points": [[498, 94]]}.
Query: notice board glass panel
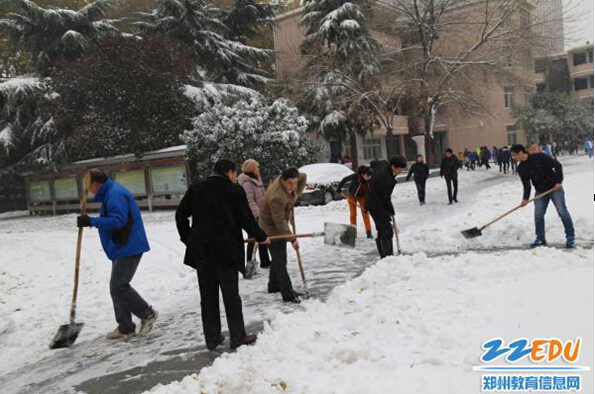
{"points": [[134, 181], [169, 180], [40, 191]]}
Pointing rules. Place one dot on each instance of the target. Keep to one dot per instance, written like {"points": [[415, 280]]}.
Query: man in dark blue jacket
{"points": [[545, 173], [124, 241]]}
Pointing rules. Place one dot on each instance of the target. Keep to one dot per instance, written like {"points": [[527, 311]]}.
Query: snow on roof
{"points": [[20, 83], [180, 148], [325, 173]]}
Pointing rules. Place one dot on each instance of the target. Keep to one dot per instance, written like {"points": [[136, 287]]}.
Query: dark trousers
{"points": [[279, 279], [382, 220], [263, 253], [505, 165], [421, 189], [212, 277], [452, 183], [125, 299]]}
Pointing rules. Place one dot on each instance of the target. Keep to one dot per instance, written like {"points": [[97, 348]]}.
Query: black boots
{"points": [[369, 234], [385, 247]]}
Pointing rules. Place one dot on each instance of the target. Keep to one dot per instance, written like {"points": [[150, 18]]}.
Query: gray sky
{"points": [[580, 30]]}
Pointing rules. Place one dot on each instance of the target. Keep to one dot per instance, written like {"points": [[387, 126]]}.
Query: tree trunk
{"points": [[354, 152]]}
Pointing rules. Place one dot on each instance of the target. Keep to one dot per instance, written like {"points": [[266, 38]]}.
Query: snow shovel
{"points": [[476, 232], [396, 234], [68, 333], [251, 266], [334, 234], [306, 294]]}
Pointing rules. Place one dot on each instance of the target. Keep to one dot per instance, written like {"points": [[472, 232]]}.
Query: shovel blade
{"points": [[339, 234], [66, 335], [471, 233]]}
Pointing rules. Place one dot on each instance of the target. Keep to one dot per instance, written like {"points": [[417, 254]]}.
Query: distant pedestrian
{"points": [[448, 170], [420, 172], [485, 157], [589, 148], [495, 154], [505, 159]]}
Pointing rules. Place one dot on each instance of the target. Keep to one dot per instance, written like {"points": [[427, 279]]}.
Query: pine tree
{"points": [[342, 52], [52, 34], [336, 30], [218, 55]]}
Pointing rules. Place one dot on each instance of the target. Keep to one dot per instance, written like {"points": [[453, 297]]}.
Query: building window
{"points": [[579, 58], [540, 65], [581, 84], [511, 135], [590, 56], [372, 148], [507, 60], [508, 96], [590, 82], [541, 87], [525, 18], [528, 93]]}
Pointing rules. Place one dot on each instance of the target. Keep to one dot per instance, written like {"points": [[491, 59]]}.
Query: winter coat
{"points": [[254, 191], [486, 155], [420, 171], [505, 155], [278, 205], [541, 170], [380, 189], [449, 166], [219, 211], [117, 207], [358, 186]]}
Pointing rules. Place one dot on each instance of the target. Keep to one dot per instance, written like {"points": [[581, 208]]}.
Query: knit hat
{"points": [[249, 166]]}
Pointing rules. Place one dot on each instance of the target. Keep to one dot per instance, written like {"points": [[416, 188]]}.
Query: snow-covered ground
{"points": [[412, 323]]}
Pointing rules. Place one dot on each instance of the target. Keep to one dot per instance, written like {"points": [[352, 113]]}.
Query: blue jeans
{"points": [[557, 198]]}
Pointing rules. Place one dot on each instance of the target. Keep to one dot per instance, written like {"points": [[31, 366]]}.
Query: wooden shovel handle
{"points": [[284, 237], [78, 256], [519, 206], [297, 251]]}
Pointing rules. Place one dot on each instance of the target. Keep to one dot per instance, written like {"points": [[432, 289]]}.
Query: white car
{"points": [[322, 180]]}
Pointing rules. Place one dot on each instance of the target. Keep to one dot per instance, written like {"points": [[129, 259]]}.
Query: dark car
{"points": [[323, 178]]}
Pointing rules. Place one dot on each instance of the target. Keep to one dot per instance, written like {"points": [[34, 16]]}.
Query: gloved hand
{"points": [[83, 221]]}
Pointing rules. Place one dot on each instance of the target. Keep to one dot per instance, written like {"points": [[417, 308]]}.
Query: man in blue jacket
{"points": [[124, 241], [545, 173]]}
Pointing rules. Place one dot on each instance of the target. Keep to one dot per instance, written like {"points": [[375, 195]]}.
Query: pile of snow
{"points": [[416, 323], [411, 324], [325, 173]]}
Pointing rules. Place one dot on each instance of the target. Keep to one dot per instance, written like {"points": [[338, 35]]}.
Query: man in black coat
{"points": [[448, 169], [420, 172], [215, 248], [378, 200], [545, 173]]}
